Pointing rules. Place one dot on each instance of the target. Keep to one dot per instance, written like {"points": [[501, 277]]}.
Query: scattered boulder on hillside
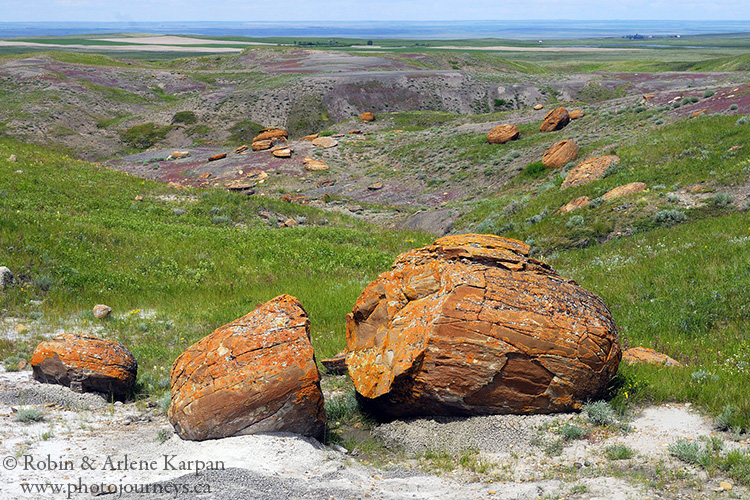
{"points": [[21, 329], [325, 142], [6, 278], [502, 134], [580, 202], [589, 171], [271, 134], [648, 97], [576, 114], [696, 114], [311, 137], [375, 187], [624, 190], [241, 149], [177, 155], [472, 325], [314, 165], [240, 185], [282, 153], [219, 156], [367, 117], [261, 145], [646, 355], [560, 154], [537, 107], [335, 365], [255, 374], [556, 119], [86, 364], [101, 311]]}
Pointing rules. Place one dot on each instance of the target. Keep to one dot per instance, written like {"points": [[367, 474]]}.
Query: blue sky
{"points": [[359, 10]]}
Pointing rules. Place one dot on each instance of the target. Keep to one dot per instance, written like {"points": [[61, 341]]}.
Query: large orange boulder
{"points": [[255, 374], [559, 154], [589, 170], [367, 116], [472, 325], [502, 134], [86, 364], [556, 119], [272, 133]]}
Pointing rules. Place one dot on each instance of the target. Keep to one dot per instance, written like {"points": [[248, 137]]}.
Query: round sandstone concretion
{"points": [[255, 374], [472, 325], [556, 119], [503, 133], [86, 364], [559, 154]]}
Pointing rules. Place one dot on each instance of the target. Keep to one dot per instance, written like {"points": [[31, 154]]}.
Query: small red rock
{"points": [[219, 156]]}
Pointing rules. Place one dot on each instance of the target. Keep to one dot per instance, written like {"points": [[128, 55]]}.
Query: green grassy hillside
{"points": [[173, 266]]}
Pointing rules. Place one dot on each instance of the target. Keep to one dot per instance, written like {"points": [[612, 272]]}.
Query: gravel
{"points": [[491, 434], [40, 394]]}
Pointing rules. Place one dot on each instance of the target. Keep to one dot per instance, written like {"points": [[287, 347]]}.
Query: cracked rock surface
{"points": [[255, 374], [471, 325]]}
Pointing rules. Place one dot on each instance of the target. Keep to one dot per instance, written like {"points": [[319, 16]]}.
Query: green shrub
{"points": [[163, 435], [11, 363], [28, 415], [220, 220], [737, 465], [144, 136], [596, 202], [729, 418], [575, 221], [600, 413], [186, 117], [618, 452], [733, 107], [722, 200], [709, 93], [342, 407], [534, 170], [244, 131], [743, 120], [165, 401], [536, 219], [42, 282], [572, 432], [668, 218]]}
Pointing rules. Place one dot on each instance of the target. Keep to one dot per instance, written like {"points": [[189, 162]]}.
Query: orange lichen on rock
{"points": [[556, 119], [367, 116], [503, 133], [589, 170], [472, 325], [86, 364], [255, 374], [271, 134], [646, 355]]}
